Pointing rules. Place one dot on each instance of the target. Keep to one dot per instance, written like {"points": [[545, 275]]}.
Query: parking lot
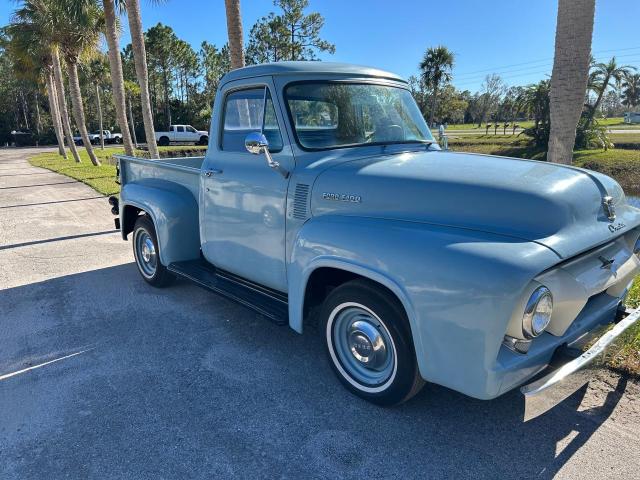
{"points": [[180, 383]]}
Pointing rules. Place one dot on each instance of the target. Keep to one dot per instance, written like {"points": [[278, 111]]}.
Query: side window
{"points": [[191, 129], [245, 112], [180, 129]]}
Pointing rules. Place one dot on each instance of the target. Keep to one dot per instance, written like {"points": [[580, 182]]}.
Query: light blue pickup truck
{"points": [[324, 198]]}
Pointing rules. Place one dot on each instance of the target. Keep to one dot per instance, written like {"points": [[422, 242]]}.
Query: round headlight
{"points": [[537, 313]]}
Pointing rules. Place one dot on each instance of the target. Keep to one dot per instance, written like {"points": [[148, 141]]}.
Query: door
{"points": [[191, 134], [180, 134], [243, 213]]}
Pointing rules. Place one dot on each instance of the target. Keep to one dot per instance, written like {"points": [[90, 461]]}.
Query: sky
{"points": [[512, 38]]}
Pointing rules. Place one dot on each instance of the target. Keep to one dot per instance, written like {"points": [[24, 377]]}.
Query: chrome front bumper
{"points": [[546, 392]]}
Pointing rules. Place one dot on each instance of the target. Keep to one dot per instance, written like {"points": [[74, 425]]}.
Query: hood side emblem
{"points": [[609, 207]]}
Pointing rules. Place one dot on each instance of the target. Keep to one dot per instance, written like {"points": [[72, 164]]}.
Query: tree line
{"points": [[612, 89], [49, 54]]}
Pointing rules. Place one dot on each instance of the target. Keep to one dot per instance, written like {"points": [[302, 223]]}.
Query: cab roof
{"points": [[304, 68]]}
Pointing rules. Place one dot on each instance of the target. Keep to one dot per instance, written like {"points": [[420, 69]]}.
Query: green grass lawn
{"points": [[625, 138], [102, 178], [474, 126], [621, 164], [616, 123], [626, 357]]}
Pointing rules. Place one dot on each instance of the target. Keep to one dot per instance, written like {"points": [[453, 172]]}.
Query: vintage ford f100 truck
{"points": [[323, 196]]}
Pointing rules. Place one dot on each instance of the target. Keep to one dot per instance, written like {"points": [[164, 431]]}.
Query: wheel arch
{"points": [[174, 213], [303, 298]]}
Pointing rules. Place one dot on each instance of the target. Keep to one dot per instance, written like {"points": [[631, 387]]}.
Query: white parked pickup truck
{"points": [[94, 137], [182, 134]]}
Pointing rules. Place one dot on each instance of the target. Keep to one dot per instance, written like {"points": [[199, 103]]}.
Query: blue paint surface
{"points": [[460, 239]]}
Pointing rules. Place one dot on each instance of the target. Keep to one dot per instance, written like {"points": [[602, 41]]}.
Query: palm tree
{"points": [[115, 67], [234, 31], [55, 111], [631, 90], [436, 67], [78, 24], [140, 60], [36, 17], [31, 57], [132, 89], [569, 76], [603, 76], [62, 103], [97, 73]]}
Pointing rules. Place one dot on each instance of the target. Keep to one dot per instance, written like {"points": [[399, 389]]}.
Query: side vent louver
{"points": [[300, 199]]}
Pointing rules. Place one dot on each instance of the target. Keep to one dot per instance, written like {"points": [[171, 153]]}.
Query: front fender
{"points": [[174, 212], [458, 286]]}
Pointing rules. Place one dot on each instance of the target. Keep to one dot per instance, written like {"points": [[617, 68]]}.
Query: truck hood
{"points": [[557, 206]]}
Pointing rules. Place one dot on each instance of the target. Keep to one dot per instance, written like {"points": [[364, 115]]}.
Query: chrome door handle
{"points": [[213, 171]]}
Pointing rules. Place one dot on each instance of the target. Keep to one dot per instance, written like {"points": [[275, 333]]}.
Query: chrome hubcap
{"points": [[362, 346], [367, 344], [145, 253]]}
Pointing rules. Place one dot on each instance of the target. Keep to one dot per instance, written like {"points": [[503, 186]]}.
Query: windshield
{"points": [[332, 115]]}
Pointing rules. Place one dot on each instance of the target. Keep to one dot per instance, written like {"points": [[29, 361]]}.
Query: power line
{"points": [[548, 60], [531, 70]]}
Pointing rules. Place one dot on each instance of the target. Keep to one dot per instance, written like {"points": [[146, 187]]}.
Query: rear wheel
{"points": [[147, 253], [163, 141], [369, 343]]}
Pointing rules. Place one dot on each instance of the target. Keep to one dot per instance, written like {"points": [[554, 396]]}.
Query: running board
{"points": [[270, 303]]}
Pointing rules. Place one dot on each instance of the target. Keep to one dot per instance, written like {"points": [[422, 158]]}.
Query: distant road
{"points": [[482, 131]]}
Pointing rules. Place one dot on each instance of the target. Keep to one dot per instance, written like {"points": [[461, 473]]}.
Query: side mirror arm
{"points": [[275, 165], [256, 143]]}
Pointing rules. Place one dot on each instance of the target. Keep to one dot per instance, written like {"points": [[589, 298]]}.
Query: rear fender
{"points": [[174, 212]]}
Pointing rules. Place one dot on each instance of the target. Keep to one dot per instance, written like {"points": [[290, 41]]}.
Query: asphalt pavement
{"points": [[103, 376]]}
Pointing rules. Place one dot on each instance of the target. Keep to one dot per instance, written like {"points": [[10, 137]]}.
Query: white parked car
{"points": [[182, 134]]}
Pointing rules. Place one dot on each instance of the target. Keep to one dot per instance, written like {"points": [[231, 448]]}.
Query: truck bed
{"points": [[184, 171]]}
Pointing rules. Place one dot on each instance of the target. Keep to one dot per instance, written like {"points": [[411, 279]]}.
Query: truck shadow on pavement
{"points": [[183, 383]]}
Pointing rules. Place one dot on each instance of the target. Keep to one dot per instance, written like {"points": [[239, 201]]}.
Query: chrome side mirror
{"points": [[256, 143]]}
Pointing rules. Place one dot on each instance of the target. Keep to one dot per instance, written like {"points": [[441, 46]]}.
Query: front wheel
{"points": [[369, 343], [204, 140], [147, 253]]}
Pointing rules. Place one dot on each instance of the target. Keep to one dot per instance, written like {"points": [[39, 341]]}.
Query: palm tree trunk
{"points": [[38, 119], [434, 102], [167, 107], [140, 60], [594, 108], [234, 30], [25, 109], [100, 117], [55, 115], [78, 110], [133, 128], [569, 77], [117, 77], [62, 105]]}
